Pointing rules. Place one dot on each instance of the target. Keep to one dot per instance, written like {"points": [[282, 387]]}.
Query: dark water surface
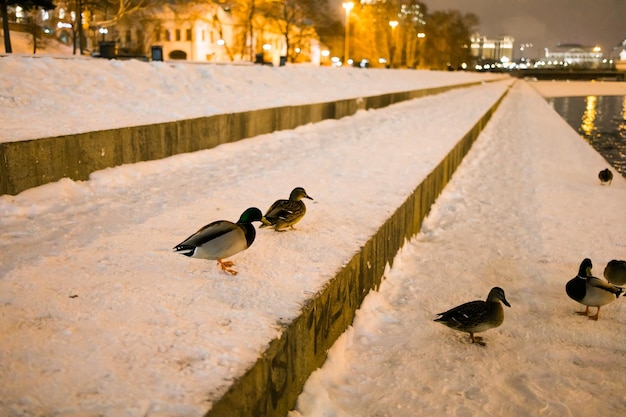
{"points": [[600, 120]]}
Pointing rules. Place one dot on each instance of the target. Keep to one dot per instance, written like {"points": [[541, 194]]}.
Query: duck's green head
{"points": [[252, 214], [585, 268]]}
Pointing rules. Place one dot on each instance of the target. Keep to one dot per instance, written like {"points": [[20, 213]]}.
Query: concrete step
{"points": [[77, 156]]}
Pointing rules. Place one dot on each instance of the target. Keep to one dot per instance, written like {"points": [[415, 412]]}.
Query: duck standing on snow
{"points": [[615, 272], [476, 316], [591, 291], [285, 213], [605, 176], [222, 239]]}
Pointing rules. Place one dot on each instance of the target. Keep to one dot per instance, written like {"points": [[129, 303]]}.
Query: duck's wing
{"points": [[599, 283], [207, 233], [284, 209], [465, 315], [615, 272]]}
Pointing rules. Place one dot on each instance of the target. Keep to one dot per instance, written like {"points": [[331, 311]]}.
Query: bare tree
{"points": [[296, 20], [30, 5], [447, 44], [412, 18], [112, 12], [373, 37], [122, 8], [243, 12], [289, 18]]}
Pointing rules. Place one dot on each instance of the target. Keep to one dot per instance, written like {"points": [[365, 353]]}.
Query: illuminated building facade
{"points": [[492, 50], [574, 54], [619, 56]]}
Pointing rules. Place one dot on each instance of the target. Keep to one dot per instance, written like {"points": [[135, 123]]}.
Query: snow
{"points": [[22, 44], [99, 317], [523, 210], [579, 88], [77, 95]]}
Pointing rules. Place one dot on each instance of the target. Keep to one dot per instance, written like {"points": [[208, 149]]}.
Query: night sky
{"points": [[545, 23]]}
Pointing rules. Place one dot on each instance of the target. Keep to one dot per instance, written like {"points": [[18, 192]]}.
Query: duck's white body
{"points": [[591, 291], [222, 239], [226, 239], [597, 293]]}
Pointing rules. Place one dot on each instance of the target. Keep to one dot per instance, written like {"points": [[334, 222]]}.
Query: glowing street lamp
{"points": [[348, 6], [393, 24], [420, 47]]}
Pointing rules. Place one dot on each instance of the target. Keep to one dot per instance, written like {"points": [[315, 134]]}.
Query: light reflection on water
{"points": [[601, 120]]}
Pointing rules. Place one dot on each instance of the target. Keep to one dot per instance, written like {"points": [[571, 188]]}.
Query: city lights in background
{"points": [[398, 46]]}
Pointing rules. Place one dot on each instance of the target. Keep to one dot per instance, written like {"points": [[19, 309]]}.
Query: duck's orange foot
{"points": [[226, 266], [583, 313], [478, 340]]}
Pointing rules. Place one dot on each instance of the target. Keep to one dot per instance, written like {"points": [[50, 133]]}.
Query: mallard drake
{"points": [[605, 176], [285, 213], [476, 316], [615, 272], [222, 239], [591, 291]]}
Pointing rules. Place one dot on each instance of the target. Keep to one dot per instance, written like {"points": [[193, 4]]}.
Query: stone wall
{"points": [[27, 164]]}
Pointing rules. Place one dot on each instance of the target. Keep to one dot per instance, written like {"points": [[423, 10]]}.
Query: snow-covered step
{"points": [[130, 327], [271, 386], [77, 155]]}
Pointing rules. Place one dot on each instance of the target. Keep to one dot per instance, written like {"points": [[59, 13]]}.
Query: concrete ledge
{"points": [[31, 163], [271, 387]]}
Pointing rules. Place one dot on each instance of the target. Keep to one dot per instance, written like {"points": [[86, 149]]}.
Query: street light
{"points": [[348, 6], [393, 24], [419, 50]]}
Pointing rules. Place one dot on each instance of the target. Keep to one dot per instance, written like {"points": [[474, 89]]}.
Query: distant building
{"points": [[198, 31], [492, 50], [192, 31], [619, 56], [571, 54]]}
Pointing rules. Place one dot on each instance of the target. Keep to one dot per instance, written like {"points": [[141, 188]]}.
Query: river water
{"points": [[600, 120]]}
